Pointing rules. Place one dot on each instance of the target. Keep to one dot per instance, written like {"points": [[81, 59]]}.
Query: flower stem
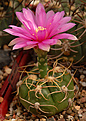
{"points": [[42, 62]]}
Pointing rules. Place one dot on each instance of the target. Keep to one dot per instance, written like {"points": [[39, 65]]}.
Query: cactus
{"points": [[71, 50], [44, 90], [49, 92]]}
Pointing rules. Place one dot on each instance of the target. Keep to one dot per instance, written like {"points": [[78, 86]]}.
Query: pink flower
{"points": [[40, 30]]}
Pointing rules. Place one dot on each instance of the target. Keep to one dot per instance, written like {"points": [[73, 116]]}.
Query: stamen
{"points": [[40, 28]]}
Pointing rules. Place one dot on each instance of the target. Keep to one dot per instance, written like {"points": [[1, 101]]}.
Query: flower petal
{"points": [[31, 42], [28, 14], [50, 41], [19, 45], [15, 41], [61, 28], [64, 20], [21, 32], [13, 32], [49, 18], [55, 23], [49, 14], [44, 47], [58, 16], [39, 8], [65, 36], [23, 20], [20, 16], [20, 40], [29, 46], [65, 27], [40, 15]]}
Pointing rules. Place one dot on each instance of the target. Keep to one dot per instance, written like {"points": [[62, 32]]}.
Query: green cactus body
{"points": [[49, 101], [82, 37], [73, 50], [46, 93]]}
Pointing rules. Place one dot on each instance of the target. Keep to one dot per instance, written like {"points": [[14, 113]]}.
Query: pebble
{"points": [[82, 76], [77, 107], [5, 75], [83, 93], [51, 119], [7, 115], [81, 105], [80, 70], [69, 111], [74, 110], [25, 113], [7, 69], [2, 82], [21, 116], [42, 119], [83, 117], [14, 116], [70, 117], [13, 119], [18, 110], [78, 101], [84, 71], [61, 116], [62, 119], [83, 84], [1, 77], [65, 116], [63, 112], [83, 100], [80, 115], [85, 105], [56, 116], [1, 72], [76, 117], [30, 120], [84, 109], [80, 111], [72, 114], [38, 120], [1, 99]]}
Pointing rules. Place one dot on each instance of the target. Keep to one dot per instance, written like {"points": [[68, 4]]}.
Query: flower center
{"points": [[40, 33], [40, 28]]}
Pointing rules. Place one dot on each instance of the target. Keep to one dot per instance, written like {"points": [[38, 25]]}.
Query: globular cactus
{"points": [[46, 95], [71, 50]]}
